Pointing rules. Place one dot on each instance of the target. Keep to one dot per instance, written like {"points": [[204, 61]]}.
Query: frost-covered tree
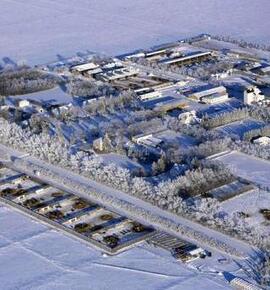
{"points": [[26, 80], [225, 118]]}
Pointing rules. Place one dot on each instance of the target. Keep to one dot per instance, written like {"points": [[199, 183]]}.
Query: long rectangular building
{"points": [[85, 67], [201, 56]]}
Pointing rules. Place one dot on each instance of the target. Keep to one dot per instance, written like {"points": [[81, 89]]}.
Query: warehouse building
{"points": [[211, 96], [87, 68], [188, 59]]}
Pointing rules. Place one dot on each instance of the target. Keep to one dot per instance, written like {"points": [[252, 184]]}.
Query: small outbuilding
{"points": [[265, 140]]}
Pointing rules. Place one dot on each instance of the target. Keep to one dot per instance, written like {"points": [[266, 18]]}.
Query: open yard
{"points": [[52, 96], [120, 161], [249, 167], [251, 203], [171, 137]]}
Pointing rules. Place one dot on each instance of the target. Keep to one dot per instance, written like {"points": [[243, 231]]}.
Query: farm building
{"points": [[147, 140], [239, 283], [88, 68], [253, 94], [171, 104], [24, 103], [134, 55], [215, 99], [188, 59], [188, 253], [119, 73], [156, 53], [211, 96], [148, 94], [262, 141], [98, 144], [180, 249]]}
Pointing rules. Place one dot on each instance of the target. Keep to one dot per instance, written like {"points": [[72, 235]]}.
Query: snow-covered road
{"points": [[118, 195]]}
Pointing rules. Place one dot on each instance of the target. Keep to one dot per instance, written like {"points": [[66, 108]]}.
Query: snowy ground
{"points": [[47, 29], [172, 137], [249, 167], [256, 170], [121, 161], [53, 96], [36, 257], [250, 203]]}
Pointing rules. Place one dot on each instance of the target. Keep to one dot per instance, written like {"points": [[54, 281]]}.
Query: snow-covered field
{"points": [[42, 31], [54, 96], [256, 170], [170, 136], [36, 257], [249, 167], [121, 161], [250, 203]]}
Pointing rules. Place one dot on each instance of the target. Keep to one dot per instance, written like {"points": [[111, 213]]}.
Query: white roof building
{"points": [[149, 95], [239, 283], [135, 55], [191, 57], [98, 144], [208, 92], [215, 98], [119, 73], [262, 141], [93, 71], [211, 96], [24, 103], [253, 94], [85, 67], [189, 118], [147, 140]]}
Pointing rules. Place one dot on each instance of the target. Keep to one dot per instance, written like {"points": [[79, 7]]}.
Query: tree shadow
{"points": [[61, 57], [8, 61]]}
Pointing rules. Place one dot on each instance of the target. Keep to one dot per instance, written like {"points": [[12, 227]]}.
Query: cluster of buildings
{"points": [[121, 76], [157, 87], [178, 53], [152, 75], [91, 223]]}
